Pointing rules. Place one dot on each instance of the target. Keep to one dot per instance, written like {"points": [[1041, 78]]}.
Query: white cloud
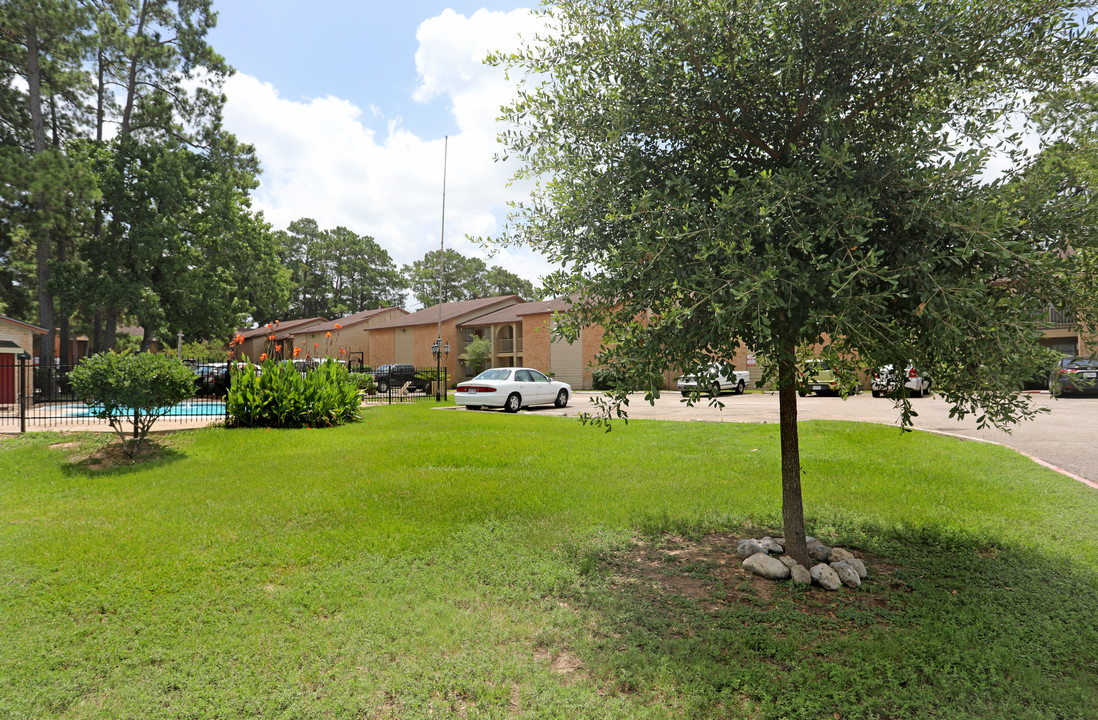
{"points": [[321, 161]]}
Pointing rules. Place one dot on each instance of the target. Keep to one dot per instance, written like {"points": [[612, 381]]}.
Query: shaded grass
{"points": [[426, 562]]}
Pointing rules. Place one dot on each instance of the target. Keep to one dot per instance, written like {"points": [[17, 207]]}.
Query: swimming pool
{"points": [[187, 408]]}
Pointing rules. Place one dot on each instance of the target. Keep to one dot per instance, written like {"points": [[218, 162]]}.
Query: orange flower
{"points": [[278, 348], [338, 326], [316, 345], [342, 351], [328, 334], [297, 351], [262, 357], [268, 326]]}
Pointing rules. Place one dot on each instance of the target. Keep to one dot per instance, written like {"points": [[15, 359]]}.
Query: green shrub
{"points": [[477, 353], [131, 390], [279, 396], [204, 351], [603, 379], [364, 381]]}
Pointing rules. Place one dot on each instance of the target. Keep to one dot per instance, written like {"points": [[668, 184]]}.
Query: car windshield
{"points": [[494, 374]]}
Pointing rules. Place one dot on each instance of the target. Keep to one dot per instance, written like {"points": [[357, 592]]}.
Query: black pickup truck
{"points": [[394, 376]]}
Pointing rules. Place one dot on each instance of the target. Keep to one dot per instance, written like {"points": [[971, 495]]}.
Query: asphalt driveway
{"points": [[1065, 438]]}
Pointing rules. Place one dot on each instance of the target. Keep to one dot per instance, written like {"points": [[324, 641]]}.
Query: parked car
{"points": [[211, 378], [886, 379], [1076, 376], [511, 389], [818, 377], [395, 376], [711, 379]]}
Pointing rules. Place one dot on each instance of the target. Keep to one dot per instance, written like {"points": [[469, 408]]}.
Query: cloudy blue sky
{"points": [[348, 103]]}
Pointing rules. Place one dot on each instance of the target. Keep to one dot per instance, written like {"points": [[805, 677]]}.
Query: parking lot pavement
{"points": [[1066, 437]]}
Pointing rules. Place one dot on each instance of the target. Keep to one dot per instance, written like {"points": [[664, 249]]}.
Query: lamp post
{"points": [[438, 350]]}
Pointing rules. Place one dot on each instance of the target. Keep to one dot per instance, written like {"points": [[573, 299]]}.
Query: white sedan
{"points": [[511, 389]]}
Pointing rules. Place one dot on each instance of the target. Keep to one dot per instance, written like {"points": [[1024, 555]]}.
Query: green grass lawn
{"points": [[428, 563]]}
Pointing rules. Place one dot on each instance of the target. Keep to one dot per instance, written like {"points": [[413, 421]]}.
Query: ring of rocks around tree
{"points": [[835, 566]]}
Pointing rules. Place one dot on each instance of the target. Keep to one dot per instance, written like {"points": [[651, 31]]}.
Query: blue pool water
{"points": [[194, 408]]}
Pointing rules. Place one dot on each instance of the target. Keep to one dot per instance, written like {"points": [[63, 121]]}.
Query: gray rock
{"points": [[766, 566], [819, 552], [839, 554], [800, 574], [788, 561], [825, 577], [846, 573], [747, 548], [771, 545], [809, 540], [858, 565]]}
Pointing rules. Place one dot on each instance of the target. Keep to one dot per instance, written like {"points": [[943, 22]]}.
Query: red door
{"points": [[7, 378]]}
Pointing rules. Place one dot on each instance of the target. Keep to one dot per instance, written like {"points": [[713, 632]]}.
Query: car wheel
{"points": [[740, 387], [562, 399], [472, 407], [876, 393], [715, 389], [382, 387], [802, 393], [513, 404]]}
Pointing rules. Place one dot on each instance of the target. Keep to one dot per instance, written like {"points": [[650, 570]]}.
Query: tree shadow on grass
{"points": [[943, 626], [112, 458]]}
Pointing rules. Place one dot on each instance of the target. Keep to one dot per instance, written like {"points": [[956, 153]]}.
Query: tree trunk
{"points": [[100, 95], [42, 239], [64, 329], [97, 332], [131, 78], [792, 505], [146, 339], [34, 89], [110, 326]]}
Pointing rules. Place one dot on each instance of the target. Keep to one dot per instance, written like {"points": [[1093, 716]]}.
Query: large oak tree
{"points": [[733, 173]]}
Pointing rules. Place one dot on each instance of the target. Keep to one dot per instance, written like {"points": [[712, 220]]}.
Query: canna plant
{"points": [[278, 396]]}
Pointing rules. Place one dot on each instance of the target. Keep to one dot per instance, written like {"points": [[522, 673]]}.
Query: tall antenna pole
{"points": [[441, 270]]}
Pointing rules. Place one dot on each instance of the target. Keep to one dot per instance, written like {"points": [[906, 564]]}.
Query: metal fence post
{"points": [[22, 395]]}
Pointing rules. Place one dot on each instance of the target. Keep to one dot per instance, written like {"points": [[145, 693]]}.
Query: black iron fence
{"points": [[405, 383], [41, 398]]}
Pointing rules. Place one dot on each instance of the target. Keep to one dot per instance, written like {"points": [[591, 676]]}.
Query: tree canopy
{"points": [[118, 184], [464, 278], [337, 272], [745, 173]]}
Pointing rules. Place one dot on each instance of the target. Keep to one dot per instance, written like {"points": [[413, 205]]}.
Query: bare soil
{"points": [[708, 571]]}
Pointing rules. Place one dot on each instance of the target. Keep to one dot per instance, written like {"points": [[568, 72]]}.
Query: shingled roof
{"points": [[282, 327], [451, 311], [348, 321], [20, 323], [514, 313]]}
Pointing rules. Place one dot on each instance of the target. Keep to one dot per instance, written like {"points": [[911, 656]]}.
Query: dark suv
{"points": [[394, 376], [1076, 376]]}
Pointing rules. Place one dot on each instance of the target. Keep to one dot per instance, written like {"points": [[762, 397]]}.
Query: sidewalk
{"points": [[1065, 438]]}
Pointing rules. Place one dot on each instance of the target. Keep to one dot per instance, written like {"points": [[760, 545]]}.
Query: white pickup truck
{"points": [[712, 381]]}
